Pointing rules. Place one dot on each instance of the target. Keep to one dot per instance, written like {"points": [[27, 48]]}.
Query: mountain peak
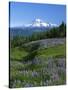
{"points": [[38, 20], [39, 23]]}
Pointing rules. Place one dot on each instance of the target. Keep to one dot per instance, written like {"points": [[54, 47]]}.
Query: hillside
{"points": [[38, 63]]}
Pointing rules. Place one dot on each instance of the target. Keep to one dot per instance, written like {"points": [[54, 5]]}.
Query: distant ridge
{"points": [[37, 25]]}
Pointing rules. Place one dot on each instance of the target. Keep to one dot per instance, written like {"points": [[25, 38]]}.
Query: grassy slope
{"points": [[17, 53], [58, 50]]}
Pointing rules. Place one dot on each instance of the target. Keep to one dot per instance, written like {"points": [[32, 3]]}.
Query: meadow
{"points": [[39, 60]]}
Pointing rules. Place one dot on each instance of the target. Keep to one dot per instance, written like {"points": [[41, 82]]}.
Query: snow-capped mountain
{"points": [[39, 23]]}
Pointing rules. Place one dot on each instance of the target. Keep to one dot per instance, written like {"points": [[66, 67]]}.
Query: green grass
{"points": [[16, 67], [58, 50], [17, 53]]}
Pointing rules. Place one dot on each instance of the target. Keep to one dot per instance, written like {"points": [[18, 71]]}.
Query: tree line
{"points": [[55, 32]]}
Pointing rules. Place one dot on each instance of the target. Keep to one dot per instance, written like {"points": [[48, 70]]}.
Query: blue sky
{"points": [[24, 13]]}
